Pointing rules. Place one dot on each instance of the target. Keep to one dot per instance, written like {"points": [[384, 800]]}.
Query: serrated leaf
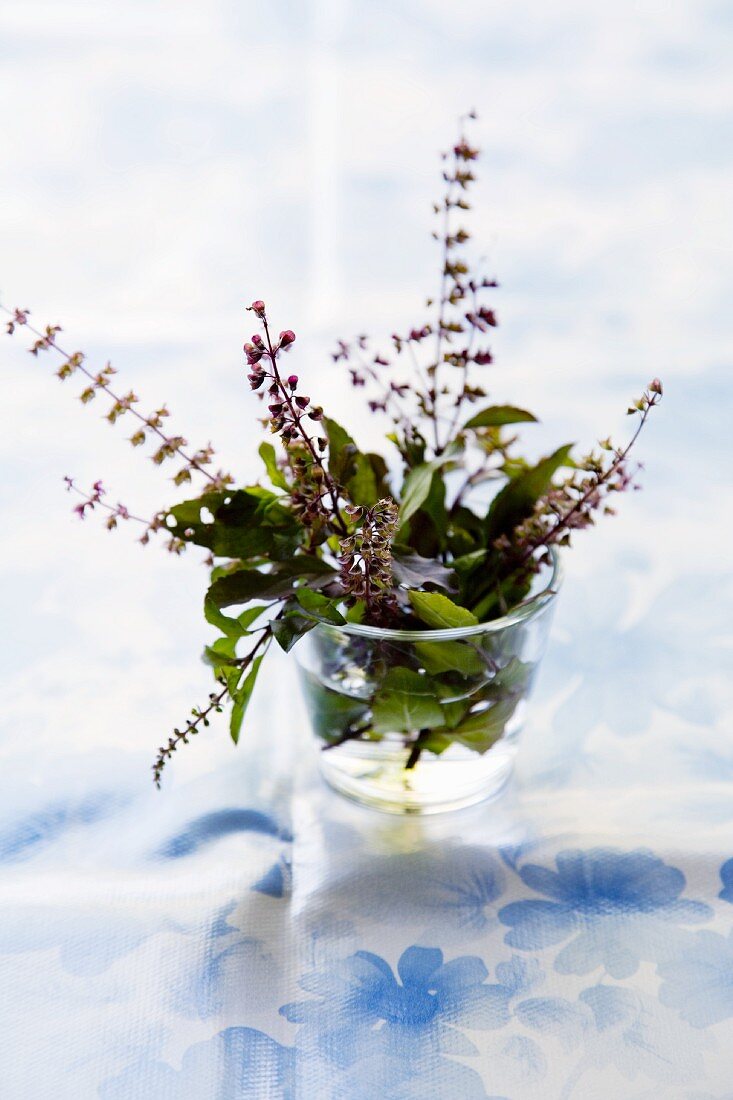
{"points": [[517, 499], [439, 612], [496, 416], [405, 702]]}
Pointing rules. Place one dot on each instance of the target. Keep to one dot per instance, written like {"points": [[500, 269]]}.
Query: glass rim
{"points": [[526, 610]]}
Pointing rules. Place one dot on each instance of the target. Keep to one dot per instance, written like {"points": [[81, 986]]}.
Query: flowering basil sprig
{"points": [[447, 528]]}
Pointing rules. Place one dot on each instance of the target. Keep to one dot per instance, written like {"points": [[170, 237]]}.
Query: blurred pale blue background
{"points": [[165, 163]]}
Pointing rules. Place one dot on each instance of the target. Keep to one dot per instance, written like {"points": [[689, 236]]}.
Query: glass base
{"points": [[375, 775]]}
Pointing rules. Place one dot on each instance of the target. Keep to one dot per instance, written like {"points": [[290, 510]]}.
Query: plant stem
{"points": [[215, 702], [562, 520], [51, 342], [465, 369], [107, 507], [349, 735], [417, 747], [297, 416], [441, 316]]}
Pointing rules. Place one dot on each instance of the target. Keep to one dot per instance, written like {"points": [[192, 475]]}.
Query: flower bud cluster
{"points": [[366, 559], [17, 317], [314, 494], [45, 341], [309, 495]]}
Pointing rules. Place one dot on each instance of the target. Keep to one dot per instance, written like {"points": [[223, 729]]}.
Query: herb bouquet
{"points": [[419, 583]]}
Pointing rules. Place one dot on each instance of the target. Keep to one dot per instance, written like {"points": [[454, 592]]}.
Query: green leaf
{"points": [[331, 713], [291, 627], [355, 614], [321, 606], [246, 618], [454, 712], [248, 584], [426, 531], [510, 681], [437, 743], [438, 657], [246, 523], [221, 653], [362, 487], [413, 571], [495, 599], [467, 563], [381, 475], [241, 698], [269, 457], [233, 628], [299, 617], [341, 451], [223, 622], [466, 532], [415, 490], [480, 731], [434, 511], [496, 416], [518, 497], [470, 570], [438, 611], [411, 446], [405, 702], [417, 484]]}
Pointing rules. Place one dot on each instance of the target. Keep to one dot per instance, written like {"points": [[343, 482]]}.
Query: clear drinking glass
{"points": [[419, 721]]}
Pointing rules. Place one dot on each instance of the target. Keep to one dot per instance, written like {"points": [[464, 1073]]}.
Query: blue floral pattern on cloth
{"points": [[240, 1063], [387, 1035], [360, 1006], [608, 904], [698, 982], [365, 1020]]}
